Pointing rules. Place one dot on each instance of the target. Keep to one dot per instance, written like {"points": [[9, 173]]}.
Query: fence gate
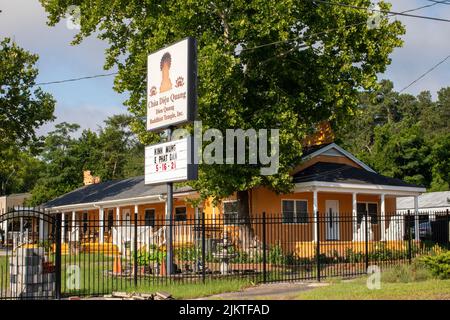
{"points": [[30, 255]]}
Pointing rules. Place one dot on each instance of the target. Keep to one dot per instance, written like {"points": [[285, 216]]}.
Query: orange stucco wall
{"points": [[261, 200], [264, 200]]}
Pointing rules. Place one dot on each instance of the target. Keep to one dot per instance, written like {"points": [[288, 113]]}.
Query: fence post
{"points": [[318, 245], [264, 247], [203, 248], [58, 256], [409, 238], [366, 224], [135, 256]]}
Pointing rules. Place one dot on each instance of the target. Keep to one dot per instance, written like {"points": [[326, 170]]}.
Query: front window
{"points": [[230, 212], [180, 214], [150, 217], [370, 208], [295, 211], [110, 219]]}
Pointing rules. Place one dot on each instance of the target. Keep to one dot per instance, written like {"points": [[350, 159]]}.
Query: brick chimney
{"points": [[88, 178]]}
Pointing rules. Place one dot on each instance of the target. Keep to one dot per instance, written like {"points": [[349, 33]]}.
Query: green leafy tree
{"points": [[63, 170], [112, 152], [401, 135], [23, 108], [121, 154], [262, 64], [401, 152], [440, 159]]}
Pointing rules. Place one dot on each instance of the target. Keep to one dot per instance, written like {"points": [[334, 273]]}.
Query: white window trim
{"points": [[223, 210], [295, 211], [367, 208]]}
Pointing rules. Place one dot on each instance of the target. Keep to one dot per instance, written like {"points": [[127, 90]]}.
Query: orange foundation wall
{"points": [[285, 235]]}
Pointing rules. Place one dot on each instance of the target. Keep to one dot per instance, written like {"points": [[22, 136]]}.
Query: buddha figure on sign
{"points": [[166, 83]]}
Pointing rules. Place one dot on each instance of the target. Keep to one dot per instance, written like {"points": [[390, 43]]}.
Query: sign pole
{"points": [[169, 219], [171, 102]]}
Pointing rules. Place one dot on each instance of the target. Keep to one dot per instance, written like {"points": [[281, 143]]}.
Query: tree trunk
{"points": [[243, 207], [246, 234]]}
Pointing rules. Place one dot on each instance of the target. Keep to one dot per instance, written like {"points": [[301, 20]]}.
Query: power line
{"points": [[347, 26], [77, 79], [435, 2], [446, 2], [427, 72], [380, 11]]}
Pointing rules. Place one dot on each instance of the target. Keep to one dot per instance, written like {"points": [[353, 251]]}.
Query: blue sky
{"points": [[89, 102]]}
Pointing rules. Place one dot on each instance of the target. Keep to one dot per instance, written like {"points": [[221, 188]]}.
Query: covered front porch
{"points": [[337, 213], [93, 225]]}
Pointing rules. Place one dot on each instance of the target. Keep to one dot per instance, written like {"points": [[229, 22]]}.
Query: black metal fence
{"points": [[94, 257]]}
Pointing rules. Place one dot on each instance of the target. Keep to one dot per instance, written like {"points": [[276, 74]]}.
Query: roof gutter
{"points": [[112, 203], [358, 188]]}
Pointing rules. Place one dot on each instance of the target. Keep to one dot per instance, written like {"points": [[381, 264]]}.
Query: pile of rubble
{"points": [[138, 296]]}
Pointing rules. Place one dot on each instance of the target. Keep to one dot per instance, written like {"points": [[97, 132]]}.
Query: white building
{"points": [[438, 202]]}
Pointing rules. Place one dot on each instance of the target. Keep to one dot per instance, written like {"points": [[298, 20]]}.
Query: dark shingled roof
{"points": [[112, 190], [336, 172]]}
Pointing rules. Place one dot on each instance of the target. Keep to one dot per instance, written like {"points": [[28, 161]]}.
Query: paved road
{"points": [[272, 291]]}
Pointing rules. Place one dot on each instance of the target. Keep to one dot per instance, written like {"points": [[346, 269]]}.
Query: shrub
{"points": [[406, 273], [188, 254], [352, 256], [144, 257], [275, 255], [438, 264]]}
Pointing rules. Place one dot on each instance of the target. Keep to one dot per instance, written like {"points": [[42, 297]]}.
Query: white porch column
{"points": [[315, 213], [75, 228], [63, 227], [101, 216], [5, 227], [41, 228], [117, 216], [354, 216], [383, 217], [21, 230], [135, 225], [416, 217]]}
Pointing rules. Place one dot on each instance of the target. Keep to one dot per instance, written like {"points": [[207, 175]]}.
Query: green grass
{"points": [[357, 290], [94, 280]]}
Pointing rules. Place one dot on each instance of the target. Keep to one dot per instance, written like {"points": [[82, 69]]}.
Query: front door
{"points": [[332, 219]]}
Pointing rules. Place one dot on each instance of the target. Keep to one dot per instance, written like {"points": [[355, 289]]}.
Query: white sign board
{"points": [[170, 162], [171, 85]]}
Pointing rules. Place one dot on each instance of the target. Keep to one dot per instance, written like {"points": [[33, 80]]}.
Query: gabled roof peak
{"points": [[321, 149]]}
